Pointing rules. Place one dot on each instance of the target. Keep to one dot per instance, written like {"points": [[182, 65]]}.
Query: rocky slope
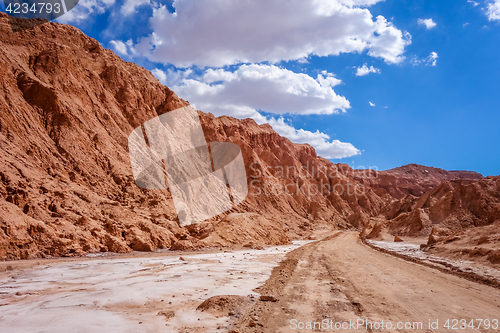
{"points": [[67, 107], [480, 244], [460, 219], [448, 208]]}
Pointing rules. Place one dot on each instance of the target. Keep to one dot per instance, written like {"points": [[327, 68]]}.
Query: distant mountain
{"points": [[414, 179], [453, 205]]}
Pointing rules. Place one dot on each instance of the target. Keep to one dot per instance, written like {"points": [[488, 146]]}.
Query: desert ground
{"points": [[343, 280], [335, 281], [127, 293]]}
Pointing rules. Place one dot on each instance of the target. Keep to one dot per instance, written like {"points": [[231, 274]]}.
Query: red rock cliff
{"points": [[67, 107]]}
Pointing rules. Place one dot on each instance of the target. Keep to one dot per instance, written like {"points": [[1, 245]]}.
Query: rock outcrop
{"points": [[450, 207], [460, 218]]}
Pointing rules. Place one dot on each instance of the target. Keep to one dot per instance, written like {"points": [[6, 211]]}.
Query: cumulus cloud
{"points": [[172, 77], [160, 75], [473, 3], [84, 9], [360, 3], [119, 47], [325, 147], [493, 11], [198, 39], [371, 104], [431, 60], [262, 87], [218, 33], [365, 70], [124, 49], [251, 88], [130, 6], [428, 23]]}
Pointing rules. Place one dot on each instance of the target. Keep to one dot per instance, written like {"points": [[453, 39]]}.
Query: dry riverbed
{"points": [[132, 294]]}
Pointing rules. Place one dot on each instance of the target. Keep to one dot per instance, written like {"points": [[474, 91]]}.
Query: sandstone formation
{"points": [[460, 218], [479, 244], [450, 207]]}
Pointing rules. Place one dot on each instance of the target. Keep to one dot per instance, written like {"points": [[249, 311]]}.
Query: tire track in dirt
{"points": [[341, 279]]}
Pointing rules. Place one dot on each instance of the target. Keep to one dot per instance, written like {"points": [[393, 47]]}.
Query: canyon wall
{"points": [[67, 108]]}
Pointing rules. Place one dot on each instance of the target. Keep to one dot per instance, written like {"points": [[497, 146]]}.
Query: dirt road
{"points": [[344, 281]]}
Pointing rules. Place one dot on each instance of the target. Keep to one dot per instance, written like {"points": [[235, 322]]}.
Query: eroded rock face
{"points": [[450, 207], [247, 229], [66, 185], [478, 244], [443, 214], [67, 107]]}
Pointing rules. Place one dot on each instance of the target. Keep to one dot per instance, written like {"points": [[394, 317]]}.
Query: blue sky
{"points": [[366, 82]]}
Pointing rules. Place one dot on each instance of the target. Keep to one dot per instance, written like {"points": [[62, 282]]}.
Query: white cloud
{"points": [[428, 23], [172, 77], [493, 11], [431, 60], [84, 9], [130, 6], [365, 70], [261, 87], [332, 149], [326, 79], [219, 32], [119, 47], [249, 33], [360, 3], [371, 104], [473, 3], [251, 88], [124, 49], [160, 75]]}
